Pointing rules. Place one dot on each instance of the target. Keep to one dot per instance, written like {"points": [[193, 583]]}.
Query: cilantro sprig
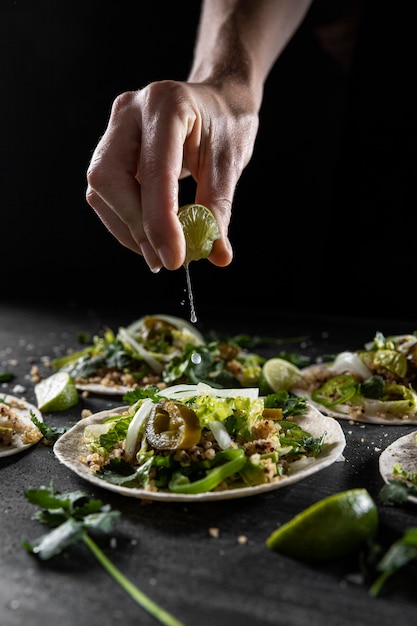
{"points": [[50, 433], [72, 516], [381, 565], [6, 376], [399, 554], [395, 492]]}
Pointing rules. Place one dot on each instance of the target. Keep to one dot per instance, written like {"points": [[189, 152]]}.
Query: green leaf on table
{"points": [[72, 515], [50, 433], [398, 555], [396, 492], [6, 376]]}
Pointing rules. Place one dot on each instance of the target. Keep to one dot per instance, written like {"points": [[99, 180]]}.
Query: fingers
{"points": [[173, 144], [126, 156], [154, 138], [113, 190], [165, 120]]}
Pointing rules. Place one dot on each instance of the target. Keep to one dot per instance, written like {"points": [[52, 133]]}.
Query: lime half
{"points": [[200, 231], [278, 375], [331, 528], [56, 393]]}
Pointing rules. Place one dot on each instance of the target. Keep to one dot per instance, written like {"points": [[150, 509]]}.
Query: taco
{"points": [[194, 442], [399, 462], [376, 384], [158, 350], [17, 431]]}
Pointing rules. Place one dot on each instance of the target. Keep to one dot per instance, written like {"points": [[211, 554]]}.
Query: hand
{"points": [[157, 136]]}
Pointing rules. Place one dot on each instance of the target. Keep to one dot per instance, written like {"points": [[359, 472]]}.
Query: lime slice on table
{"points": [[56, 393], [200, 231], [278, 375], [331, 528]]}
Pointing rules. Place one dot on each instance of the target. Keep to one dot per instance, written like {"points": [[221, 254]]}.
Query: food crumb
{"points": [[35, 374], [18, 389], [85, 413], [242, 539], [214, 532]]}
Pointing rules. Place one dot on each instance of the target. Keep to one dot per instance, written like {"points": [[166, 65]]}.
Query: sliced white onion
{"points": [[405, 347], [178, 322], [220, 433], [179, 391], [155, 365], [135, 425], [204, 389], [352, 362]]}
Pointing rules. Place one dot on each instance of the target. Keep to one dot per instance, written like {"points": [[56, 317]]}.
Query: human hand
{"points": [[157, 136]]}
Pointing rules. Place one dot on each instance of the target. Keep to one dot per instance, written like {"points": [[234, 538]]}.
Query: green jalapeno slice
{"points": [[172, 426], [336, 390]]}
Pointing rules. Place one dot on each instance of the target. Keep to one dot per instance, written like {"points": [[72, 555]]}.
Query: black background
{"points": [[324, 215]]}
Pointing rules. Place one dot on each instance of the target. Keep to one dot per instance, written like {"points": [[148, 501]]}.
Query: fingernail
{"points": [[151, 257]]}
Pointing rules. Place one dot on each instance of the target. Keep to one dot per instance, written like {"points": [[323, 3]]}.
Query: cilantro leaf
{"points": [[6, 376], [50, 433], [396, 492], [398, 555], [288, 402], [71, 515]]}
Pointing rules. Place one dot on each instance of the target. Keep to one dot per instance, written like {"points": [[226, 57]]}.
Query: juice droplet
{"points": [[193, 316]]}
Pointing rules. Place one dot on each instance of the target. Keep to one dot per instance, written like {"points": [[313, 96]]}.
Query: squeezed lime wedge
{"points": [[56, 393]]}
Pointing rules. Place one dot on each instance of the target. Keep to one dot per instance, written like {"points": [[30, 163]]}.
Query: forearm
{"points": [[238, 41]]}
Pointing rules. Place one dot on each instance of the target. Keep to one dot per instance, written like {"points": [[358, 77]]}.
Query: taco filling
{"points": [[193, 438]]}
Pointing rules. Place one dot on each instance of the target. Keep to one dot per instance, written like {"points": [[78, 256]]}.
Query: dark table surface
{"points": [[166, 549]]}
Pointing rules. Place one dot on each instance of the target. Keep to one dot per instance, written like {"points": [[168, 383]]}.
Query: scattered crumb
{"points": [[35, 374], [19, 389], [214, 532]]}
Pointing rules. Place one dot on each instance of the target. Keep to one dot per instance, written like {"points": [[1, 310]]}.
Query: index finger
{"points": [[113, 188], [166, 122]]}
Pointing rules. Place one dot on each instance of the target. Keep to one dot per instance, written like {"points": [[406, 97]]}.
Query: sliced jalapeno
{"points": [[172, 426], [336, 390]]}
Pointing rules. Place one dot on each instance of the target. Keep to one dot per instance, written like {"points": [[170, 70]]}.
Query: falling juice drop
{"points": [[193, 316]]}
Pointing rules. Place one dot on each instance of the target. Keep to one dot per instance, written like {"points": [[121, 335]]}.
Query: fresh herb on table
{"points": [[6, 376], [50, 433], [72, 516], [378, 565], [400, 553], [396, 492]]}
